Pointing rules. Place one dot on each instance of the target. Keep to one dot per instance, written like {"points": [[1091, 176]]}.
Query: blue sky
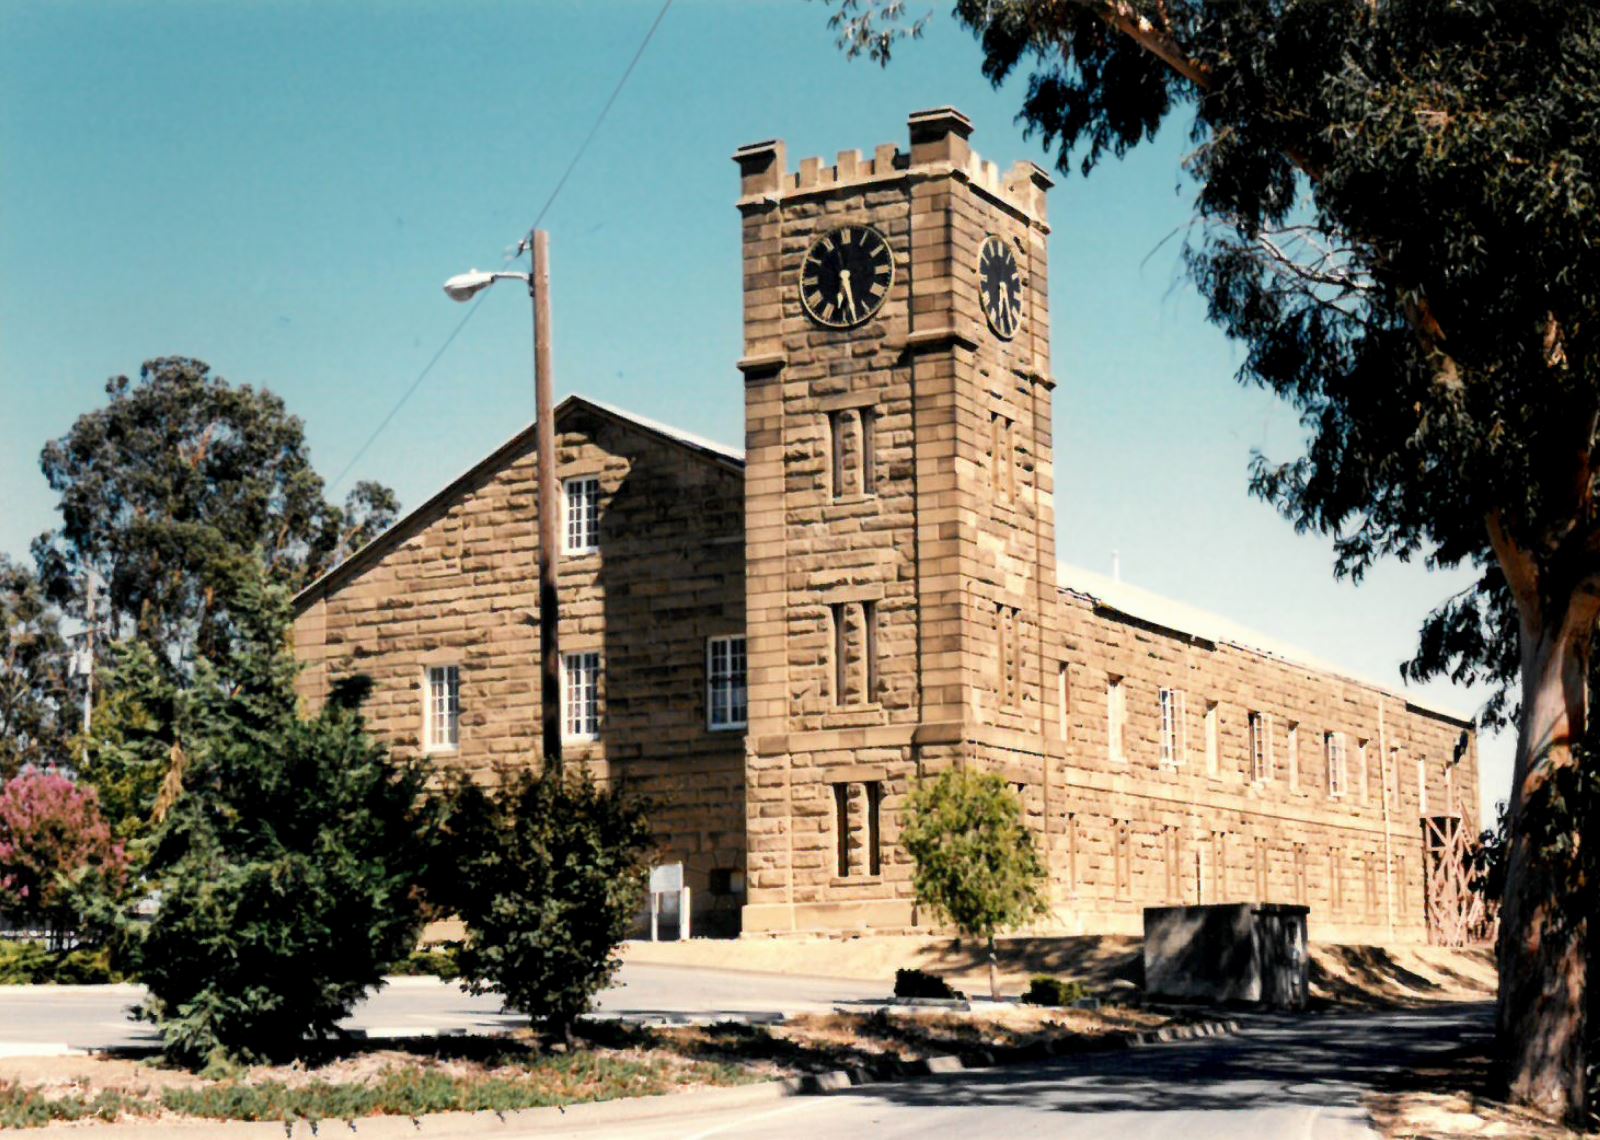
{"points": [[280, 188]]}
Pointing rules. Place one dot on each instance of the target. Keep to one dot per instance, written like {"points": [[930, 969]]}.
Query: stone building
{"points": [[775, 644]]}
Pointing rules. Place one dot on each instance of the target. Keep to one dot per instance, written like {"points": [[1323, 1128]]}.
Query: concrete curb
{"points": [[839, 1080]]}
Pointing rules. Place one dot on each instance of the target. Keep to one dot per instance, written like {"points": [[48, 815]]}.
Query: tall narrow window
{"points": [[1219, 867], [1063, 693], [1362, 774], [1122, 860], [1449, 788], [726, 694], [1369, 884], [1337, 775], [1174, 862], [1213, 744], [1116, 721], [1260, 747], [869, 443], [582, 530], [1002, 456], [1300, 873], [869, 651], [841, 827], [1422, 787], [580, 695], [874, 806], [1261, 868], [441, 711], [1174, 728], [1008, 656], [1072, 851], [1292, 755], [839, 614], [1335, 880], [851, 458], [853, 630], [1391, 779], [1401, 890]]}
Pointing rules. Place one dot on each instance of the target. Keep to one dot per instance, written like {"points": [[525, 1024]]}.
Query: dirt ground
{"points": [[1357, 976]]}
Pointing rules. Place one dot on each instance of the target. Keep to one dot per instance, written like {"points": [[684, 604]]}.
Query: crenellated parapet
{"points": [[939, 148]]}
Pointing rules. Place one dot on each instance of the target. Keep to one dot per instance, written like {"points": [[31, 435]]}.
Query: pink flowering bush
{"points": [[54, 843]]}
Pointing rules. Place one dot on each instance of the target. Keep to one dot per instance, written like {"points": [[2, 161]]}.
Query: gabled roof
{"points": [[1118, 597], [401, 529]]}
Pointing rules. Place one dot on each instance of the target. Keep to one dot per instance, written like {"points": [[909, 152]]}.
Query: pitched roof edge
{"points": [[398, 530], [1154, 609]]}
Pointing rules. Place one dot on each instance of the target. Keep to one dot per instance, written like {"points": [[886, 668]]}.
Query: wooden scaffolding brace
{"points": [[1458, 914]]}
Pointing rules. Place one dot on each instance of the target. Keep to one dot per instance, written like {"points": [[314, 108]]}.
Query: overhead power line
{"points": [[520, 248]]}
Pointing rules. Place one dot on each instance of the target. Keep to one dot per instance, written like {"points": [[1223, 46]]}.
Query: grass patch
{"points": [[414, 1090], [25, 1107]]}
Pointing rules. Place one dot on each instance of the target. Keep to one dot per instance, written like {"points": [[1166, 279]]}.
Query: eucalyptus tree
{"points": [[1396, 218], [36, 713], [177, 483]]}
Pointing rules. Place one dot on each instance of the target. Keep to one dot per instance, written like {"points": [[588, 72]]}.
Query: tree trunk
{"points": [[1543, 924], [994, 983]]}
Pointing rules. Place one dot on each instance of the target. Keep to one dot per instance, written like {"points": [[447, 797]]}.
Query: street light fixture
{"points": [[463, 287]]}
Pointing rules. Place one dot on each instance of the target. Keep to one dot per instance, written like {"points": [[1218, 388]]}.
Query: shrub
{"points": [[1045, 990], [442, 961], [287, 863], [976, 866], [32, 963], [917, 984], [54, 846], [546, 874]]}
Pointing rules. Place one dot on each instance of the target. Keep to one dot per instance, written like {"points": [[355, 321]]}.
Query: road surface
{"points": [[1282, 1078], [54, 1019]]}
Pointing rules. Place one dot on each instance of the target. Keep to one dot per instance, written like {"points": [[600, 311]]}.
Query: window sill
{"points": [[740, 726], [595, 739], [586, 552], [855, 880], [441, 749]]}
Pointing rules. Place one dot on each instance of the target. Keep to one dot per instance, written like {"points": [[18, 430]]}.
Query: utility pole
{"points": [[549, 604], [88, 644]]}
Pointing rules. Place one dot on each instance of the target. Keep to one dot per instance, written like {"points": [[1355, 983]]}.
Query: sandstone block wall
{"points": [[456, 583]]}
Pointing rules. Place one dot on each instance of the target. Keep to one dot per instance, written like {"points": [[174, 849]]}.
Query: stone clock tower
{"points": [[900, 530]]}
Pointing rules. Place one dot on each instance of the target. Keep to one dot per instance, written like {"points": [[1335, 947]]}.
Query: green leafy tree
{"points": [[177, 483], [976, 866], [547, 875], [36, 713], [287, 861], [1396, 220], [132, 747]]}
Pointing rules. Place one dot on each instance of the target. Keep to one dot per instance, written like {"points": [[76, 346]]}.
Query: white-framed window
{"points": [[1174, 728], [441, 709], [1116, 720], [1260, 747], [1422, 786], [581, 515], [726, 695], [1338, 778], [580, 696], [1213, 744]]}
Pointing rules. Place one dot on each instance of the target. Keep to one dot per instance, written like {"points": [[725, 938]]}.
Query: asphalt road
{"points": [[1282, 1077], [52, 1019]]}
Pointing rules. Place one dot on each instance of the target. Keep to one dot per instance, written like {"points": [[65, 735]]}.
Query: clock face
{"points": [[1000, 286], [846, 275]]}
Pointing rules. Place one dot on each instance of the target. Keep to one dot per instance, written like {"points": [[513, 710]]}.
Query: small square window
{"points": [[726, 695], [580, 696], [581, 530], [441, 709]]}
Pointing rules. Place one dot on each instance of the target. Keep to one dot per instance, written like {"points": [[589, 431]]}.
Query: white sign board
{"points": [[667, 879]]}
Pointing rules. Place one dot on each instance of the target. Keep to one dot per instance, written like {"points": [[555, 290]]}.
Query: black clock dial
{"points": [[846, 276], [1000, 286]]}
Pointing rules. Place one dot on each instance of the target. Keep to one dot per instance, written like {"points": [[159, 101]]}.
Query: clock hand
{"points": [[849, 296]]}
